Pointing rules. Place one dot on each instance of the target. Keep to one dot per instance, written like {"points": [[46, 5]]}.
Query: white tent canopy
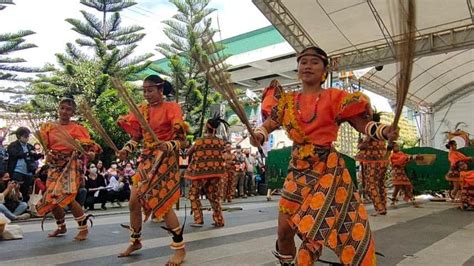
{"points": [[359, 34]]}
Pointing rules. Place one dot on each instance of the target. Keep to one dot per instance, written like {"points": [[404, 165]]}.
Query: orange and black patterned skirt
{"points": [[399, 176], [157, 180], [64, 179], [326, 210], [373, 175]]}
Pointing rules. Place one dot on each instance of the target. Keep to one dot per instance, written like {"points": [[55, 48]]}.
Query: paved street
{"points": [[437, 234]]}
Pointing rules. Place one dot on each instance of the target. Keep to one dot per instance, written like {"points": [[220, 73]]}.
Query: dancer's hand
{"points": [[256, 142], [391, 133]]}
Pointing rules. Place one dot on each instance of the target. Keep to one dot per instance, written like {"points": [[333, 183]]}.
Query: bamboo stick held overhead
{"points": [[404, 53], [127, 99], [213, 64]]}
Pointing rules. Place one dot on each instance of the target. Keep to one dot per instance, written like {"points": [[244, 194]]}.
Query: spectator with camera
{"points": [[10, 199], [22, 161]]}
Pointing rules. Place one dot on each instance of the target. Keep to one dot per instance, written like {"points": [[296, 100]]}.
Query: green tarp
{"points": [[425, 178], [431, 178]]}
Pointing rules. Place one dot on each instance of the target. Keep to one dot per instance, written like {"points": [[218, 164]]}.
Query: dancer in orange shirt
{"points": [[65, 169], [457, 162], [156, 183], [400, 180], [319, 201]]}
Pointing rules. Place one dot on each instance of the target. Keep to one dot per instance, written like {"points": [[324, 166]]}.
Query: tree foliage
{"points": [[186, 30], [9, 43], [104, 49]]}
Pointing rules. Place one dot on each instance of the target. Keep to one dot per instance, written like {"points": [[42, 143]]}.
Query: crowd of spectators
{"points": [[23, 176]]}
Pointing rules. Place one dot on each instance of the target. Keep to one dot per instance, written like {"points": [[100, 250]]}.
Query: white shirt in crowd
{"points": [[250, 162], [114, 184]]}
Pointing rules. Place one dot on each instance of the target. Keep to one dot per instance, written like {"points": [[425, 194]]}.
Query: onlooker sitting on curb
{"points": [[101, 169], [39, 150], [10, 204], [40, 179], [112, 171], [96, 191], [115, 187], [128, 171]]}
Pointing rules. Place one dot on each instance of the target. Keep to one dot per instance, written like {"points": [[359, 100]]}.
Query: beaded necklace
{"points": [[298, 110]]}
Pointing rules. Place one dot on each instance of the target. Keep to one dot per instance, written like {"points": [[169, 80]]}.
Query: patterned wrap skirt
{"points": [[62, 184], [373, 176], [157, 181], [399, 176], [325, 209]]}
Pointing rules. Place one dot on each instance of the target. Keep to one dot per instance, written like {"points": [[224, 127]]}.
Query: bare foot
{"points": [[217, 225], [82, 235], [59, 231], [177, 258], [130, 249]]}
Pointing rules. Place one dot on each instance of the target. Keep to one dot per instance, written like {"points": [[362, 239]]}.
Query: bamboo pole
{"points": [[87, 112]]}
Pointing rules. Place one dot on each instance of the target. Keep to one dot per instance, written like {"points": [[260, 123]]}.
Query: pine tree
{"points": [[104, 49], [186, 30], [112, 43], [9, 43], [108, 50], [10, 67]]}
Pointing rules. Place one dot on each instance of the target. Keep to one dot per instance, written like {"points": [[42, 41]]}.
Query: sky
{"points": [[47, 19]]}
